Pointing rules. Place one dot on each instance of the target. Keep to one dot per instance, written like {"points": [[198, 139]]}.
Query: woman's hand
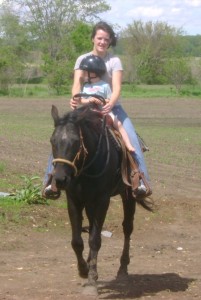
{"points": [[74, 102], [107, 107]]}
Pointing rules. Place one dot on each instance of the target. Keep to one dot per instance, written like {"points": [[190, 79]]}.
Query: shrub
{"points": [[30, 192]]}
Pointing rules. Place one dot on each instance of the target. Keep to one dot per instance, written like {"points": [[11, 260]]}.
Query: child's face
{"points": [[93, 77]]}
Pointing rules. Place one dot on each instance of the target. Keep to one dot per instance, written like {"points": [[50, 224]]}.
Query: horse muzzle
{"points": [[62, 177]]}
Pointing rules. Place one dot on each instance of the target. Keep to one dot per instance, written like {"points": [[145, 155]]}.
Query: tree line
{"points": [[41, 39]]}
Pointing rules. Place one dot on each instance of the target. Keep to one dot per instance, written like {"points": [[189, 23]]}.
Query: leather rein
{"points": [[83, 150]]}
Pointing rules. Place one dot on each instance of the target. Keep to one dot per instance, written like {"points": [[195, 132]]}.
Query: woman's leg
{"points": [[49, 169], [49, 190], [128, 126]]}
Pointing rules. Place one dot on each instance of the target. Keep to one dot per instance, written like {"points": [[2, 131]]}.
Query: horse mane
{"points": [[83, 116]]}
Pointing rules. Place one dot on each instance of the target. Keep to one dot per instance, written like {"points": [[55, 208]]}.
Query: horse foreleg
{"points": [[78, 247], [75, 216], [94, 247], [96, 216], [129, 211], [91, 286]]}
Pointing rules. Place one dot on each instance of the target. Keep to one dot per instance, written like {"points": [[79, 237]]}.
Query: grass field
{"points": [[170, 126], [128, 91]]}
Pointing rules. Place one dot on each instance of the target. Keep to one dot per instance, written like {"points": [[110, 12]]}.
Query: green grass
{"points": [[23, 125], [150, 91], [30, 192], [174, 146], [10, 210], [30, 90], [35, 90], [128, 91], [9, 182], [2, 167]]}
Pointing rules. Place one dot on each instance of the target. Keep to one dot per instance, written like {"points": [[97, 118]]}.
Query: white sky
{"points": [[185, 14]]}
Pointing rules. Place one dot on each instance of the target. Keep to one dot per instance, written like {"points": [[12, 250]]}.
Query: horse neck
{"points": [[91, 138]]}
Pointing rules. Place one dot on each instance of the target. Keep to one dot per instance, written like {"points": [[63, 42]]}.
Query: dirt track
{"points": [[37, 262]]}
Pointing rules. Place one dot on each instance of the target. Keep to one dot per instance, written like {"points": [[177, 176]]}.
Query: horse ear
{"points": [[55, 114]]}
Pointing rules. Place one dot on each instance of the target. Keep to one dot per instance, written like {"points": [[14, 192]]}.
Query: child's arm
{"points": [[85, 101]]}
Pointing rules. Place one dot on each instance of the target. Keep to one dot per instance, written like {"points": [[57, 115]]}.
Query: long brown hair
{"points": [[107, 28]]}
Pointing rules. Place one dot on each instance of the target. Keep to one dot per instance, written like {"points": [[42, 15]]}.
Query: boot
{"points": [[49, 190]]}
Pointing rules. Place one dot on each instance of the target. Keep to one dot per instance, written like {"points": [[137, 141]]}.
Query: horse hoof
{"points": [[83, 275], [83, 270], [122, 275], [90, 290]]}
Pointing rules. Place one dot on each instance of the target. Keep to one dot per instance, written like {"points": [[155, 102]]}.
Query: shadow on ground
{"points": [[136, 286]]}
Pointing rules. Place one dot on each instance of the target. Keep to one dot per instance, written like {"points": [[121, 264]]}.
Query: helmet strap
{"points": [[90, 77]]}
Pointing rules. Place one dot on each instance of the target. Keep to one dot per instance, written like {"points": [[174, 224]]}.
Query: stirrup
{"points": [[137, 176], [135, 179], [49, 193]]}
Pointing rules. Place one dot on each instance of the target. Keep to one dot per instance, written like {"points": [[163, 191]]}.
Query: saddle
{"points": [[131, 174]]}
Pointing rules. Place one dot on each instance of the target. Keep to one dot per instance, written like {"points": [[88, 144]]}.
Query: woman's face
{"points": [[101, 42]]}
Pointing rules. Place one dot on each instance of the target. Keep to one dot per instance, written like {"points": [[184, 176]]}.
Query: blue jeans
{"points": [[128, 126], [49, 169]]}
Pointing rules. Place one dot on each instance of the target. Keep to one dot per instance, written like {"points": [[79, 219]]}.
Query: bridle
{"points": [[83, 150], [72, 164]]}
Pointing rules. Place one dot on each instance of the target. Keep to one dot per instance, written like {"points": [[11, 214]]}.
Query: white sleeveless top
{"points": [[112, 62]]}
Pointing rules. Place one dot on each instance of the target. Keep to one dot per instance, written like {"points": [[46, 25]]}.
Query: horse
{"points": [[87, 167]]}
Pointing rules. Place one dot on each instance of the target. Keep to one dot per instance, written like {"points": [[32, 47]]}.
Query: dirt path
{"points": [[37, 261]]}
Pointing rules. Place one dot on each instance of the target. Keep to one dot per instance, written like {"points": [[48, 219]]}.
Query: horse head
{"points": [[67, 140]]}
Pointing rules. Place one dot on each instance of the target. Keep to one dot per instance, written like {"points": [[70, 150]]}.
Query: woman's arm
{"points": [[76, 88], [116, 90]]}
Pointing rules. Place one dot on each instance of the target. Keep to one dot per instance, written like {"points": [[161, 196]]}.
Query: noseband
{"points": [[77, 156]]}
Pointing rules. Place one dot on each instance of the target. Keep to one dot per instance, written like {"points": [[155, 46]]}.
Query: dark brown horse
{"points": [[87, 166]]}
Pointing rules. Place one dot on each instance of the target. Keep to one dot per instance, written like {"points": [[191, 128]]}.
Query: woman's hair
{"points": [[107, 28]]}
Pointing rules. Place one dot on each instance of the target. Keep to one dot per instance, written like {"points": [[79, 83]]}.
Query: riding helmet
{"points": [[93, 63]]}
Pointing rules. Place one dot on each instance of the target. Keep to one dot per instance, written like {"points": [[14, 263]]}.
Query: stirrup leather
{"points": [[136, 176]]}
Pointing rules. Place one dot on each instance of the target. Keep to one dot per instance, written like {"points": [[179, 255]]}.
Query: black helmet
{"points": [[93, 63]]}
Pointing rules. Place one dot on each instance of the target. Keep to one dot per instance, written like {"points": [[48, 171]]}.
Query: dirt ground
{"points": [[36, 259]]}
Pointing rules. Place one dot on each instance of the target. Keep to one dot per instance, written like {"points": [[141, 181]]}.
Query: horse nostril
{"points": [[60, 181]]}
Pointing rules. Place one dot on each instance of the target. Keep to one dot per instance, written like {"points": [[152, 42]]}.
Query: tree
{"points": [[10, 68], [14, 47], [58, 26], [81, 38], [147, 45], [60, 69], [177, 71], [51, 20]]}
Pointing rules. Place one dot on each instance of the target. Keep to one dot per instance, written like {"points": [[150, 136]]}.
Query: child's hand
{"points": [[95, 100]]}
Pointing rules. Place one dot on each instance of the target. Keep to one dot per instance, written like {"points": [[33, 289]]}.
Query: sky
{"points": [[182, 14]]}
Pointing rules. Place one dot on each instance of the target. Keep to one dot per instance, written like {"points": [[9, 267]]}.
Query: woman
{"points": [[103, 37], [94, 68]]}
